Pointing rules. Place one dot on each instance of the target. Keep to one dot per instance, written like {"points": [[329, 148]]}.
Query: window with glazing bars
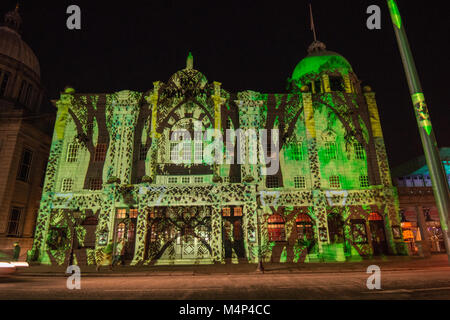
{"points": [[363, 181], [335, 182], [330, 150], [25, 165], [360, 153], [143, 152], [299, 182], [72, 152], [67, 185]]}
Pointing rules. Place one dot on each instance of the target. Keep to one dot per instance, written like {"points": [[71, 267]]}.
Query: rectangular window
{"points": [[14, 222], [226, 179], [237, 211], [317, 86], [198, 151], [363, 181], [226, 212], [25, 165], [418, 181], [272, 182], [72, 152], [174, 152], [100, 152], [360, 153], [294, 151], [121, 213], [143, 152], [187, 151], [67, 185], [172, 180], [330, 150], [133, 213], [336, 83], [3, 83], [185, 179], [198, 179], [95, 184], [299, 182], [335, 182]]}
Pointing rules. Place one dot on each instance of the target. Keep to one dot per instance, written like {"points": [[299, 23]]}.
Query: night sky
{"points": [[251, 45]]}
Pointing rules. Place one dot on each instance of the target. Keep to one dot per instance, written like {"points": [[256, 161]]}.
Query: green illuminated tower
{"points": [[437, 173]]}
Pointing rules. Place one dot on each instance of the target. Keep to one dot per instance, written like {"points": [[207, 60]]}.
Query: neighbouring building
{"points": [[420, 218], [25, 138], [112, 174]]}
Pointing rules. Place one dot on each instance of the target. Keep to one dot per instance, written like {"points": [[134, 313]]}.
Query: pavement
{"points": [[386, 263]]}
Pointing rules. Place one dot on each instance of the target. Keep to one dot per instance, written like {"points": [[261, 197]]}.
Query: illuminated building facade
{"points": [[111, 173], [420, 218]]}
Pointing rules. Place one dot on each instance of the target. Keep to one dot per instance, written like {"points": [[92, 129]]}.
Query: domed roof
{"points": [[12, 45], [319, 60]]}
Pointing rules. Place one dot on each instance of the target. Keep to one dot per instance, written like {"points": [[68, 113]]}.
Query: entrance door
{"points": [[126, 229], [378, 236], [232, 232]]}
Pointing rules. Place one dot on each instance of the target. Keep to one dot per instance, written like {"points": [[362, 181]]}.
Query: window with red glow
{"points": [[275, 228]]}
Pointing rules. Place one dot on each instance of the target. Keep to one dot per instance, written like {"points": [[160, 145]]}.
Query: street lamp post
{"points": [[437, 173]]}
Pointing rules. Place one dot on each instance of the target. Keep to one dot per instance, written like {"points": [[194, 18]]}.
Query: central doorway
{"points": [[376, 224], [125, 229], [232, 232]]}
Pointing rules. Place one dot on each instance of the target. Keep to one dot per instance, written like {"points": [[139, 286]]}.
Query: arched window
{"points": [[276, 228], [305, 229]]}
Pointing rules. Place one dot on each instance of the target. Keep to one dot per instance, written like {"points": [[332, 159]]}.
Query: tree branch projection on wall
{"points": [[332, 177]]}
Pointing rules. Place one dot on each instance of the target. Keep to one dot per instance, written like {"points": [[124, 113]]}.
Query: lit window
{"points": [[335, 182], [305, 231], [121, 213], [25, 165], [198, 179], [185, 179], [120, 231], [363, 181], [360, 153], [275, 228], [272, 182], [226, 212], [330, 150], [418, 181], [95, 184], [100, 152], [133, 213], [172, 180], [14, 222], [66, 185], [72, 152], [299, 182], [237, 211], [143, 152]]}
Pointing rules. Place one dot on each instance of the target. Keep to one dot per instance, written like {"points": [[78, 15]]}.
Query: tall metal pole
{"points": [[437, 173]]}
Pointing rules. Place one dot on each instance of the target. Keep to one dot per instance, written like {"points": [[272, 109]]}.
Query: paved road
{"points": [[430, 283]]}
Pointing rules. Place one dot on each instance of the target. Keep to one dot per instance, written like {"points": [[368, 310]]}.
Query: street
{"points": [[427, 283]]}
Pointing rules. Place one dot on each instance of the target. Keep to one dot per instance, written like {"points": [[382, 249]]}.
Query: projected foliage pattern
{"points": [[317, 207]]}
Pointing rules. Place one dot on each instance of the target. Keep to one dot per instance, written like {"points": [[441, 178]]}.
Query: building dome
{"points": [[12, 45], [319, 60]]}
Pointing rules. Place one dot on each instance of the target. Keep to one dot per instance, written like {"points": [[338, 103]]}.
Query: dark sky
{"points": [[244, 45]]}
